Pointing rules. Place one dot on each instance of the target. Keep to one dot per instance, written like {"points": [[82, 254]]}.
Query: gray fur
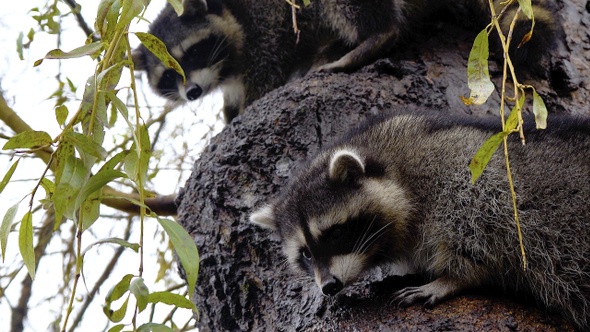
{"points": [[255, 49], [411, 204]]}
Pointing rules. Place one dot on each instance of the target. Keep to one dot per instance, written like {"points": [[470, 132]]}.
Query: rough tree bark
{"points": [[244, 283]]}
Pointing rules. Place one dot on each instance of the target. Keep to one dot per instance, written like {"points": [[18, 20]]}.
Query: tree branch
{"points": [[81, 22], [162, 205]]}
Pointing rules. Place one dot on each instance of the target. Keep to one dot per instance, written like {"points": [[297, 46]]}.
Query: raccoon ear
{"points": [[346, 166], [138, 58], [201, 7], [264, 217]]}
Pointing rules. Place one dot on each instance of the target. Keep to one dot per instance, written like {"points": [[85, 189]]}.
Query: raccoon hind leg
{"points": [[367, 50]]}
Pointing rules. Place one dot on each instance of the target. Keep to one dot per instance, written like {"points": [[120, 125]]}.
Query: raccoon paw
{"points": [[333, 67], [431, 293]]}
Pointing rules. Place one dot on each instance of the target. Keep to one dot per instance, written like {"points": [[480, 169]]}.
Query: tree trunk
{"points": [[244, 283]]}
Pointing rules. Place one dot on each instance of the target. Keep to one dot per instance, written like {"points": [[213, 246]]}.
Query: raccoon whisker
{"points": [[283, 263], [172, 95], [219, 46], [359, 243], [374, 237], [365, 238]]}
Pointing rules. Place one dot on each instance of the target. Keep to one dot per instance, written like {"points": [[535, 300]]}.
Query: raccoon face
{"points": [[339, 219], [205, 41]]}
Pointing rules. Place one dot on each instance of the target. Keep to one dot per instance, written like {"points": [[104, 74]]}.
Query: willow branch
{"points": [[105, 275], [162, 205]]}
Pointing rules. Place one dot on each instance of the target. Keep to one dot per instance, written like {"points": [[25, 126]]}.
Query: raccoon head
{"points": [[341, 217], [205, 40]]}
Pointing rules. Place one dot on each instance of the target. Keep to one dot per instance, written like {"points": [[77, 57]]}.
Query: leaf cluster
{"points": [[79, 170]]}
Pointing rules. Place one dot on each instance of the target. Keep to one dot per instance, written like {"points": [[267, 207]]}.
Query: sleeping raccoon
{"points": [[247, 47], [397, 193]]}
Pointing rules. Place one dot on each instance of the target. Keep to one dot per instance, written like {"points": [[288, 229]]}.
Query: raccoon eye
{"points": [[168, 80], [305, 253]]}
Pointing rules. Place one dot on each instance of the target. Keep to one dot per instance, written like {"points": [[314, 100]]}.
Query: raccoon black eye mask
{"points": [[397, 192]]}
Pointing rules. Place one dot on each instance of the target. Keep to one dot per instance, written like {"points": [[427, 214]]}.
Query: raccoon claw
{"points": [[412, 295], [431, 293]]}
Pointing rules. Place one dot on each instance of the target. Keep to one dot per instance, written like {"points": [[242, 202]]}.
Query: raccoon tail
{"points": [[530, 53]]}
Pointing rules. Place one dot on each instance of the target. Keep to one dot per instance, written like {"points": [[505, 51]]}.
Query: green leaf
{"points": [[5, 227], [87, 145], [100, 113], [171, 299], [116, 316], [97, 182], [540, 111], [25, 243], [107, 14], [71, 85], [48, 186], [114, 294], [177, 5], [186, 250], [117, 328], [8, 175], [61, 114], [65, 196], [19, 45], [145, 152], [90, 210], [88, 49], [156, 46], [119, 289], [484, 154], [114, 240], [131, 9], [113, 117], [141, 293], [512, 121], [31, 35], [65, 150], [122, 108], [527, 8], [130, 166], [109, 77], [114, 161], [28, 139], [154, 327], [478, 75]]}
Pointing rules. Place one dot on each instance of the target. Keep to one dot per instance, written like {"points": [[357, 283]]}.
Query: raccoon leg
{"points": [[366, 51], [234, 96], [431, 293]]}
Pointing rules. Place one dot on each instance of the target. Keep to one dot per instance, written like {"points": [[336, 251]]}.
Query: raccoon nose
{"points": [[194, 93], [332, 286]]}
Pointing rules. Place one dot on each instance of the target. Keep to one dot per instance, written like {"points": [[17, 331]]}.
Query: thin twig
{"points": [[81, 22]]}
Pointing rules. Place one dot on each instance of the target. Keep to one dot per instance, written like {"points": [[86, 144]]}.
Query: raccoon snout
{"points": [[332, 286], [194, 92]]}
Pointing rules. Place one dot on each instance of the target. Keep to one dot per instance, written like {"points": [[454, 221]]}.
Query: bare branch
{"points": [[81, 22]]}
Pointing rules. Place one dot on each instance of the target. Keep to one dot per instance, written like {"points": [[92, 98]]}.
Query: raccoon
{"points": [[247, 47], [396, 193]]}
